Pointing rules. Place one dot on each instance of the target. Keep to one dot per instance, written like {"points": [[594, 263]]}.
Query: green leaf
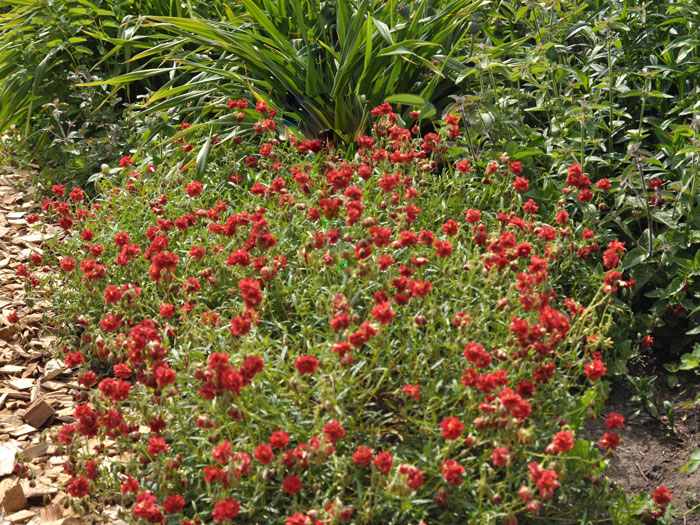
{"points": [[529, 152], [581, 449], [405, 98], [126, 78], [693, 464], [428, 111], [383, 31], [203, 156], [635, 257]]}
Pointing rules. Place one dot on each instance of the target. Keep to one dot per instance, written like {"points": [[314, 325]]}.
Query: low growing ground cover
{"points": [[297, 334]]}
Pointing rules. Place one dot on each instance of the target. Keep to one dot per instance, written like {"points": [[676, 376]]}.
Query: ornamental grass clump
{"points": [[318, 337]]}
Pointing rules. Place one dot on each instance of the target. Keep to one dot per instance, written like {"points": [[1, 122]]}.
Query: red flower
{"points": [[595, 369], [415, 477], [191, 285], [225, 510], [167, 310], [662, 496], [333, 431], [383, 462], [173, 503], [451, 227], [609, 441], [516, 168], [473, 216], [87, 379], [298, 519], [222, 453], [563, 441], [263, 453], [614, 421], [12, 317], [383, 313], [239, 257], [122, 370], [463, 166], [291, 485], [73, 359], [78, 487], [521, 184], [156, 445], [112, 294], [165, 375], [546, 480], [612, 281], [279, 439], [530, 207], [130, 485], [306, 364], [443, 248], [585, 196], [125, 161], [67, 264], [114, 389], [412, 391], [453, 472], [419, 288], [146, 508], [451, 428], [249, 288], [500, 457], [363, 455]]}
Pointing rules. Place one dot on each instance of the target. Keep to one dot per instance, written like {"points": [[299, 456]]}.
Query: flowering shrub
{"points": [[317, 340]]}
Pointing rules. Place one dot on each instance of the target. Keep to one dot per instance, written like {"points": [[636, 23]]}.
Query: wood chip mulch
{"points": [[36, 390]]}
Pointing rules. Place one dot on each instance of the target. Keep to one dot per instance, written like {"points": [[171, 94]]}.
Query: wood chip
{"points": [[71, 520], [38, 413], [53, 368], [22, 430], [8, 454], [39, 490], [8, 332], [21, 516], [14, 499], [12, 369], [30, 371], [57, 460], [52, 386], [36, 450], [21, 383], [14, 394], [51, 513]]}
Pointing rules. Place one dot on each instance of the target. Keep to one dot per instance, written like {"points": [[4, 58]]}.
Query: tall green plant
{"points": [[324, 64], [46, 44]]}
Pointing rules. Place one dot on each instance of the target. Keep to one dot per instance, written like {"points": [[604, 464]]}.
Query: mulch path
{"points": [[36, 390]]}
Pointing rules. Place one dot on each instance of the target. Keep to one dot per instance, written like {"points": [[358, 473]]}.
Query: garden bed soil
{"points": [[650, 455]]}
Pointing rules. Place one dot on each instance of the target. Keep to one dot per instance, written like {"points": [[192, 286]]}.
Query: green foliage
{"points": [[155, 277], [324, 64], [47, 47], [609, 85]]}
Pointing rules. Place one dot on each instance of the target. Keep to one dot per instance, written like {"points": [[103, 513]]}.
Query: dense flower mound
{"points": [[311, 339]]}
